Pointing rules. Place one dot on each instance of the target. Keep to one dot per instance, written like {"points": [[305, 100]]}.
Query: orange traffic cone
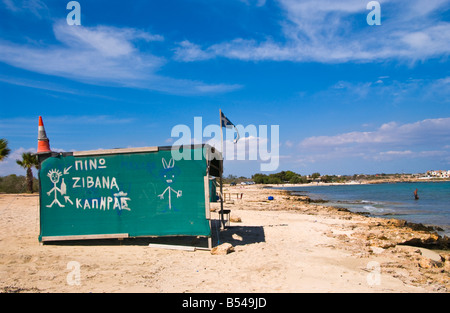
{"points": [[43, 142]]}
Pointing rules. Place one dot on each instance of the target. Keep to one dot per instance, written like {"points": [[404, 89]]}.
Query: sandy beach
{"points": [[283, 245]]}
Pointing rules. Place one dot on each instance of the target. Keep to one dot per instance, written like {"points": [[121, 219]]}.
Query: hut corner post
{"points": [[221, 173], [207, 203]]}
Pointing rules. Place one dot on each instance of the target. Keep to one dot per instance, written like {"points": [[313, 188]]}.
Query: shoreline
{"points": [[280, 245], [369, 235], [430, 226], [321, 204], [360, 182]]}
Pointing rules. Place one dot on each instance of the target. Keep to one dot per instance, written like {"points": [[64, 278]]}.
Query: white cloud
{"points": [[429, 131], [37, 7], [187, 51], [427, 139], [324, 31], [107, 40], [9, 166], [412, 89], [102, 55], [219, 88], [406, 154], [388, 155], [258, 3]]}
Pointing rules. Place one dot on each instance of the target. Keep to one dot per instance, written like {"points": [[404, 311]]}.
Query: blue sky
{"points": [[348, 97]]}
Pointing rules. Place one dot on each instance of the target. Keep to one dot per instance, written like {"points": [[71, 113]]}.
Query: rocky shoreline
{"points": [[427, 235], [406, 246], [397, 231]]}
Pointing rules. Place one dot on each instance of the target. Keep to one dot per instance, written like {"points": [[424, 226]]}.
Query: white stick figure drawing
{"points": [[169, 176], [54, 176]]}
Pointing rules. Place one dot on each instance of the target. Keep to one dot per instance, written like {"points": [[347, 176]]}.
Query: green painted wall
{"points": [[142, 194]]}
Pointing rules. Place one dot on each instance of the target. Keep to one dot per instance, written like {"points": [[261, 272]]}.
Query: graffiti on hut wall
{"points": [[169, 173], [61, 197]]}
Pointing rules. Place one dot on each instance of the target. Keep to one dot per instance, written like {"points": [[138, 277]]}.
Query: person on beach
{"points": [[416, 196]]}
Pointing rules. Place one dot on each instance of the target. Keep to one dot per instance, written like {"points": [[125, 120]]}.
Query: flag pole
{"points": [[220, 178], [221, 132]]}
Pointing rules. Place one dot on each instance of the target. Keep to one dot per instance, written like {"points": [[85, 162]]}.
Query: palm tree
{"points": [[28, 161], [4, 151]]}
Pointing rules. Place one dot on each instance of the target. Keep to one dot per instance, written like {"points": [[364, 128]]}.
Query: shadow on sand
{"points": [[238, 235], [235, 235]]}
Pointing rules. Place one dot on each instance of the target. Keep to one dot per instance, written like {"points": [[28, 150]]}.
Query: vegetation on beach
{"points": [[280, 178], [28, 161], [4, 150], [16, 184], [290, 177]]}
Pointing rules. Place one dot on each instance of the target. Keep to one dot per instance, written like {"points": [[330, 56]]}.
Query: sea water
{"points": [[391, 200]]}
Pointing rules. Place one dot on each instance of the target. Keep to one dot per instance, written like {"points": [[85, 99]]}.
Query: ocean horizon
{"points": [[389, 200]]}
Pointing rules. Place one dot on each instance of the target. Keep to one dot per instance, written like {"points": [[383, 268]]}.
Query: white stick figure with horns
{"points": [[168, 173]]}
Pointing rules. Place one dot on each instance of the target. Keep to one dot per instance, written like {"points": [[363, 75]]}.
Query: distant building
{"points": [[438, 174]]}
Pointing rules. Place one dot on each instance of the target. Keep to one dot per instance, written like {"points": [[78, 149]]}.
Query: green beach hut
{"points": [[121, 193]]}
